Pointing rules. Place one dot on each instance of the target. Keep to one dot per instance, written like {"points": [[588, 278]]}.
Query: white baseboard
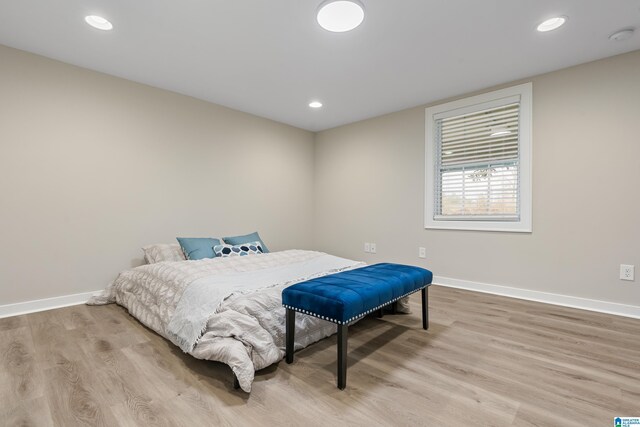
{"points": [[546, 297], [44, 304], [525, 294]]}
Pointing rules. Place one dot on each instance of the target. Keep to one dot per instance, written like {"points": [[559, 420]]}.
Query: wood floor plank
{"points": [[486, 360], [496, 409], [72, 401], [20, 377], [116, 379], [52, 341], [76, 317], [28, 413], [14, 322]]}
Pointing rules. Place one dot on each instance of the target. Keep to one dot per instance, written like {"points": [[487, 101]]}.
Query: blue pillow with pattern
{"points": [[242, 249], [247, 238]]}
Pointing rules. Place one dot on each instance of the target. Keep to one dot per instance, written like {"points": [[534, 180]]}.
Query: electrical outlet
{"points": [[367, 247], [627, 272], [373, 248], [422, 252]]}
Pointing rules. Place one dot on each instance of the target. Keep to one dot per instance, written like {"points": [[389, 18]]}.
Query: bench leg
{"points": [[342, 356], [381, 313], [394, 307], [290, 334], [425, 308]]}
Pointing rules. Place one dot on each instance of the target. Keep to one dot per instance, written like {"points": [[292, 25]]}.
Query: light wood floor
{"points": [[486, 360]]}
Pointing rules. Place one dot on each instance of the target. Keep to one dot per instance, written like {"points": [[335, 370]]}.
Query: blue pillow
{"points": [[198, 247], [248, 238]]}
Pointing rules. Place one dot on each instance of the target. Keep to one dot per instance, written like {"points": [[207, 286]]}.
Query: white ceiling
{"points": [[270, 58]]}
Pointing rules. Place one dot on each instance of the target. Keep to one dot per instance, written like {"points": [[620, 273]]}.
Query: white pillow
{"points": [[163, 252]]}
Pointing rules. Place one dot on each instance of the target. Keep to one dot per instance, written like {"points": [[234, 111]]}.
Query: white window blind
{"points": [[477, 157]]}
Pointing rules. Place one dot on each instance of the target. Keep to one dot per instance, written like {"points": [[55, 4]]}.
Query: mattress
{"points": [[226, 309]]}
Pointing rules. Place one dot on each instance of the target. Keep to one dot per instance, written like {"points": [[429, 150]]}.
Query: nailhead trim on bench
{"points": [[354, 317]]}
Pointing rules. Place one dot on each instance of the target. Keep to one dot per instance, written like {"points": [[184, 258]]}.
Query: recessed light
{"points": [[98, 22], [618, 36], [339, 16], [315, 104], [552, 23]]}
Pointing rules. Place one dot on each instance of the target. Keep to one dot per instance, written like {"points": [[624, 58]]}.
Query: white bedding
{"points": [[244, 318]]}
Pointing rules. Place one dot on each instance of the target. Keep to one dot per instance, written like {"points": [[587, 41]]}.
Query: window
{"points": [[478, 162]]}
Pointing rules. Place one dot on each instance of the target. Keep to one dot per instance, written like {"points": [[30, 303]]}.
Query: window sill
{"points": [[508, 227]]}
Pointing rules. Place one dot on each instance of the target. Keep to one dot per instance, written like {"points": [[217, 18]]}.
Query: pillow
{"points": [[242, 249], [163, 252], [198, 247], [248, 238]]}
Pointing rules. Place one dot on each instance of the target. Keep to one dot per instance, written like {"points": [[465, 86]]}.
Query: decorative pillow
{"points": [[198, 247], [163, 252], [248, 238], [242, 249]]}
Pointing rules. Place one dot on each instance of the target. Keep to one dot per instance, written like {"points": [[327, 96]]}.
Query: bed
{"points": [[226, 309]]}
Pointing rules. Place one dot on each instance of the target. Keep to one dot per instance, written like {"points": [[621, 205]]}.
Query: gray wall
{"points": [[586, 203], [93, 167]]}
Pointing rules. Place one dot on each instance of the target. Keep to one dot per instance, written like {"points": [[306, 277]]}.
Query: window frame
{"points": [[470, 104]]}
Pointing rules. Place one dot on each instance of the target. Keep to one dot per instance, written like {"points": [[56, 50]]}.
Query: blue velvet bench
{"points": [[346, 297]]}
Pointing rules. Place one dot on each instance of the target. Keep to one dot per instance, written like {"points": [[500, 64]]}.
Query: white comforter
{"points": [[245, 328]]}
